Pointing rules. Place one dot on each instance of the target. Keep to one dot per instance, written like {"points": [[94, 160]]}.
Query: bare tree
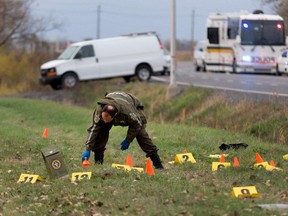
{"points": [[281, 8], [274, 3], [16, 21]]}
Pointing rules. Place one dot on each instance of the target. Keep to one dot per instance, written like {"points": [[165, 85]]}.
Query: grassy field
{"points": [[185, 189], [195, 106]]}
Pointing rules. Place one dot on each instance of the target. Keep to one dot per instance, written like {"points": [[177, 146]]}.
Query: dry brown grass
{"points": [[184, 56]]}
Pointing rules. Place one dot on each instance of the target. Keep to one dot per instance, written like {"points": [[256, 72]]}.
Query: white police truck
{"points": [[244, 42]]}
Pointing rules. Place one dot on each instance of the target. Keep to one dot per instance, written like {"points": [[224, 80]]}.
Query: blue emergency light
{"points": [[245, 25]]}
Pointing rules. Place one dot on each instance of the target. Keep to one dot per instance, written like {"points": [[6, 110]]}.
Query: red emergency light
{"points": [[279, 26]]}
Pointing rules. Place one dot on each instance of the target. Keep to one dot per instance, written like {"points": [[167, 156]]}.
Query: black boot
{"points": [[98, 157], [156, 161]]}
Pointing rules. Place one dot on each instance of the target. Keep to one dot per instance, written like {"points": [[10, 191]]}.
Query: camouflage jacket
{"points": [[129, 113]]}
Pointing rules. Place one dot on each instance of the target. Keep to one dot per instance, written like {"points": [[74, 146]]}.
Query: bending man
{"points": [[119, 109]]}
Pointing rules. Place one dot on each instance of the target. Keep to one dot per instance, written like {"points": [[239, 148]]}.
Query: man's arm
{"points": [[135, 126]]}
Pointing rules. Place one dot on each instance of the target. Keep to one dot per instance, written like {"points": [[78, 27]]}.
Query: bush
{"points": [[19, 72]]}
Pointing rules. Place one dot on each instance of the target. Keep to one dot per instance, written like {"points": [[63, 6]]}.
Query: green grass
{"points": [[186, 189], [194, 106]]}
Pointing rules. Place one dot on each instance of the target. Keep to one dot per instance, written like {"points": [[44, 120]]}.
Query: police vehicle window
{"points": [[261, 32], [233, 28], [273, 32], [87, 51], [213, 35]]}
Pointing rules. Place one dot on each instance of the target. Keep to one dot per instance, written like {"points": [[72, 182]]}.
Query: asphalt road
{"points": [[258, 86], [250, 83]]}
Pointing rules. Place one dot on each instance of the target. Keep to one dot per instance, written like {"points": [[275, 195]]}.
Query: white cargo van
{"points": [[137, 54]]}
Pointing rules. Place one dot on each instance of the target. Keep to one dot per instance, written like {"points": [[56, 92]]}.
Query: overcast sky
{"points": [[79, 17]]}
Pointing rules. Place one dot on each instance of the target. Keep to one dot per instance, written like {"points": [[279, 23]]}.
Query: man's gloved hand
{"points": [[86, 155], [124, 145]]}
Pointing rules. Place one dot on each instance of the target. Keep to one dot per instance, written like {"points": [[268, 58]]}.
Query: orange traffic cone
{"points": [[85, 163], [272, 163], [222, 159], [129, 160], [185, 151], [258, 158], [45, 133], [236, 162], [149, 167]]}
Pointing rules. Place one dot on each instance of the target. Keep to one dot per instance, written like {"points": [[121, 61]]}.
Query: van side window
{"points": [[86, 51]]}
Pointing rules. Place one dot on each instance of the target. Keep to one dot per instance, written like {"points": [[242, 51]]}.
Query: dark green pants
{"points": [[142, 138]]}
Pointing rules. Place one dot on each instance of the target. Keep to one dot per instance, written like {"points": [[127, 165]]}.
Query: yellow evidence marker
{"points": [[127, 167], [78, 176], [272, 168], [219, 165], [261, 165], [217, 155], [121, 166], [266, 166], [183, 158], [139, 169], [247, 191], [27, 178]]}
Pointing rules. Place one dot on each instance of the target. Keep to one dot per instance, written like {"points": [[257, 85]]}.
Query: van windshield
{"points": [[68, 52]]}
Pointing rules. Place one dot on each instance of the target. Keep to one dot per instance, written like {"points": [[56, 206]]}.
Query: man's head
{"points": [[108, 113]]}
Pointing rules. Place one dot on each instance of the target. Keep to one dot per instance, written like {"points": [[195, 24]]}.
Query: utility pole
{"points": [[173, 89], [192, 25], [98, 21]]}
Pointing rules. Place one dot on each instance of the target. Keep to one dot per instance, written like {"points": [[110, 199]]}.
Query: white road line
{"points": [[273, 84], [221, 88]]}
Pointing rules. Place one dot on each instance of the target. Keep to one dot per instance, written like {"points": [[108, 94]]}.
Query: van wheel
{"points": [[127, 78], [204, 66], [69, 80], [278, 73], [56, 86], [234, 66], [143, 72]]}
